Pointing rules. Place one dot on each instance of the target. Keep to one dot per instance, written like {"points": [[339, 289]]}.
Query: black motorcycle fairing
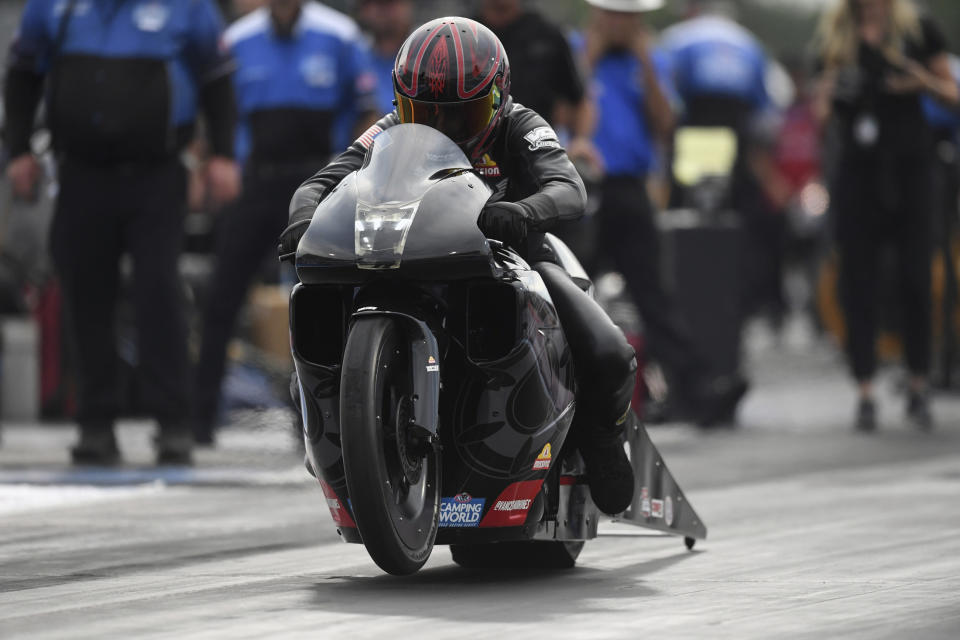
{"points": [[439, 246], [506, 409], [410, 211]]}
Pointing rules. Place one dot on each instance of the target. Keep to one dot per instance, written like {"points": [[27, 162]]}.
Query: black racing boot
{"points": [[918, 410], [866, 420], [174, 448], [610, 477], [96, 448]]}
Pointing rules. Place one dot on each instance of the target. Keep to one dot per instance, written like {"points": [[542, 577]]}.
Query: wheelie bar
{"points": [[658, 501]]}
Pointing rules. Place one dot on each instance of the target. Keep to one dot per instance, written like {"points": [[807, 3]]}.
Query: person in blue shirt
{"points": [[635, 119], [304, 84], [123, 80], [719, 68], [722, 76], [388, 23]]}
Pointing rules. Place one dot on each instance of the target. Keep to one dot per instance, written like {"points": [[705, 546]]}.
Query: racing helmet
{"points": [[453, 74]]}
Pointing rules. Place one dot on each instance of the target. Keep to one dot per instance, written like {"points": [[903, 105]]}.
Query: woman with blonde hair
{"points": [[878, 57]]}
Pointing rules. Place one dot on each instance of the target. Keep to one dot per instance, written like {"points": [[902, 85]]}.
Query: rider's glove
{"points": [[290, 238], [504, 221]]}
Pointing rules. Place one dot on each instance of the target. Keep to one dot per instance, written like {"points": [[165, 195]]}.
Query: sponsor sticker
{"points": [[151, 16], [319, 70], [341, 517], [487, 168], [462, 510], [645, 503], [366, 83], [668, 511], [656, 508], [542, 138], [512, 505], [543, 460]]}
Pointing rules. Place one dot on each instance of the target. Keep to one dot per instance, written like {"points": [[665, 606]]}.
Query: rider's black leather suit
{"points": [[527, 165]]}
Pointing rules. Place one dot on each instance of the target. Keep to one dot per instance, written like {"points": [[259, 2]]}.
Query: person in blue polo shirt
{"points": [[303, 84], [123, 80], [723, 77], [719, 68], [631, 86]]}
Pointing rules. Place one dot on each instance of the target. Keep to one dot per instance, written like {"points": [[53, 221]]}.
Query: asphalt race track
{"points": [[815, 532]]}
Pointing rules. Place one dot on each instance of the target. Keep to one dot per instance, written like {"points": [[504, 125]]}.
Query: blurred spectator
{"points": [[878, 57], [388, 22], [303, 80], [721, 73], [634, 117], [123, 83], [798, 156], [544, 74], [946, 137]]}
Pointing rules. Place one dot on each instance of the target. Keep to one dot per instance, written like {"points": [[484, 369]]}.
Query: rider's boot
{"points": [[609, 476], [609, 472]]}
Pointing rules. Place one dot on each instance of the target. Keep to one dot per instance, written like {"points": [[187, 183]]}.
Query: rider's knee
{"points": [[613, 363]]}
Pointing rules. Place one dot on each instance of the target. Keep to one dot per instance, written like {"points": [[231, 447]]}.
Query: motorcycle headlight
{"points": [[380, 233]]}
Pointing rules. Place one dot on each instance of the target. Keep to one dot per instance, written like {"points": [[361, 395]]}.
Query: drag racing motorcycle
{"points": [[435, 382]]}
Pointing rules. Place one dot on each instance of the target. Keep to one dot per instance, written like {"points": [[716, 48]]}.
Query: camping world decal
{"points": [[462, 510]]}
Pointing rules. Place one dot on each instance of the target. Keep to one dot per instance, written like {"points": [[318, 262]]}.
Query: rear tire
{"points": [[393, 482], [553, 554]]}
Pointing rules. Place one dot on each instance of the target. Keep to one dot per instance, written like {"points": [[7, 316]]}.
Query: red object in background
{"points": [[798, 148], [57, 399]]}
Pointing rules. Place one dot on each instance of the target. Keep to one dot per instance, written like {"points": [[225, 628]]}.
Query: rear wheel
{"points": [[553, 554], [393, 479]]}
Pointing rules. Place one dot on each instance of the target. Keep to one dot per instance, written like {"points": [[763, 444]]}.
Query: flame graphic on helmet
{"points": [[437, 68]]}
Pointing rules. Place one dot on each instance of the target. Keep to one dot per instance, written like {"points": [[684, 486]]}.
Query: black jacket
{"points": [[526, 165]]}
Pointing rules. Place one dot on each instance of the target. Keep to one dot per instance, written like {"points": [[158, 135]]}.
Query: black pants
{"points": [[247, 236], [627, 234], [884, 200], [604, 361], [101, 214]]}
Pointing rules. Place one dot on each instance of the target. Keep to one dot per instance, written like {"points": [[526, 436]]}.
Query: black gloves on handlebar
{"points": [[290, 238], [504, 221]]}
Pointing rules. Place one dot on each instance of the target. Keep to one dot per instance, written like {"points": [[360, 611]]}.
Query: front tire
{"points": [[393, 480]]}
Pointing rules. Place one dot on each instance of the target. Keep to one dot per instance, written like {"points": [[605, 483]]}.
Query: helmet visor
{"points": [[459, 121]]}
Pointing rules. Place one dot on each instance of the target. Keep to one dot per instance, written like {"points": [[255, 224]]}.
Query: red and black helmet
{"points": [[453, 74]]}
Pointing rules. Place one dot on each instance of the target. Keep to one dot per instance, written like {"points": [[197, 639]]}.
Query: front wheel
{"points": [[393, 479]]}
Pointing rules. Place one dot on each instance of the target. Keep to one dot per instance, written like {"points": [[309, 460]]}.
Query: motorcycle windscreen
{"points": [[403, 163]]}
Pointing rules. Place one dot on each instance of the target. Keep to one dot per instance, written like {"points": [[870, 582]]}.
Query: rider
{"points": [[453, 74]]}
